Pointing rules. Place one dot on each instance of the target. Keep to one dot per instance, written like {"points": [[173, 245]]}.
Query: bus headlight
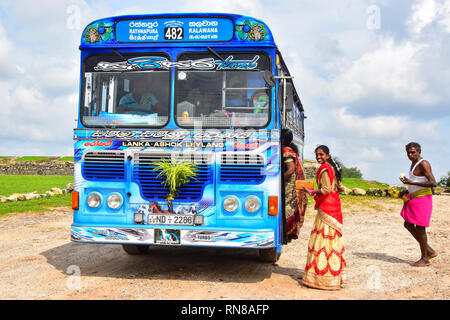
{"points": [[114, 201], [94, 200], [252, 204], [230, 203]]}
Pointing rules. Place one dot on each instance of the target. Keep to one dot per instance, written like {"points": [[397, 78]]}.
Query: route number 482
{"points": [[173, 33]]}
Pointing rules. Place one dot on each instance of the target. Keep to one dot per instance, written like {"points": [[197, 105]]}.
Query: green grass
{"points": [[32, 158], [350, 201], [5, 157], [363, 184], [36, 205], [358, 183], [66, 159], [10, 184]]}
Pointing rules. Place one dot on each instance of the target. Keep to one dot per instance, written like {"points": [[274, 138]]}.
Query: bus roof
{"points": [[180, 30]]}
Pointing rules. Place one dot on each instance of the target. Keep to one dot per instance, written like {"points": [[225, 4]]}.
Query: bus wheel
{"points": [[135, 248], [269, 255]]}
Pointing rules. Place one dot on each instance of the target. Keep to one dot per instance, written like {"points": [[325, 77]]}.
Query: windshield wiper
{"points": [[214, 52], [118, 53]]}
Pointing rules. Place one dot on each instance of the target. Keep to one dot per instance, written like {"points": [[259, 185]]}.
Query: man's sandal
{"points": [[434, 255]]}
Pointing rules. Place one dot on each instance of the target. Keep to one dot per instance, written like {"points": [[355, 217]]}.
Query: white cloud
{"points": [[28, 115], [423, 14], [428, 130], [252, 8], [130, 10], [6, 51], [371, 154], [62, 77], [374, 127], [391, 70], [310, 86], [445, 19]]}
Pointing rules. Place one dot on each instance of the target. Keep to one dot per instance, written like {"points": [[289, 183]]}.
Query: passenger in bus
{"points": [[236, 98], [295, 200], [140, 100], [325, 263], [204, 91]]}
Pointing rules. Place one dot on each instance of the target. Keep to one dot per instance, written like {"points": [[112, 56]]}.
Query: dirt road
{"points": [[38, 261]]}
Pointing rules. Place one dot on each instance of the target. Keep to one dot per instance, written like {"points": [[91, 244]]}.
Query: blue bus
{"points": [[211, 89]]}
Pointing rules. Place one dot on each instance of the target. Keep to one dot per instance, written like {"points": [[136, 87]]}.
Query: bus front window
{"points": [[223, 97], [116, 95]]}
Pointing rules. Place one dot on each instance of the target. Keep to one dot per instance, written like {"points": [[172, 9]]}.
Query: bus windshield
{"points": [[117, 94], [233, 94], [133, 90]]}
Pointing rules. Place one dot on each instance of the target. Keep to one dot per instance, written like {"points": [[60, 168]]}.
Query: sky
{"points": [[372, 75]]}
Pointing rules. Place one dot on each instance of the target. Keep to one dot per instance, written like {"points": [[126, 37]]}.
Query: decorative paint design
{"points": [[98, 32], [121, 235], [227, 29], [176, 135], [229, 239], [173, 236], [249, 30], [209, 202], [161, 63]]}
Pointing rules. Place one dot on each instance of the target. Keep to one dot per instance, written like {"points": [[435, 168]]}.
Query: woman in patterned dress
{"points": [[325, 263], [295, 200]]}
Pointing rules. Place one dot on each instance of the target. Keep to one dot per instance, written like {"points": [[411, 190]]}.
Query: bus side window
{"points": [[126, 85], [88, 94]]}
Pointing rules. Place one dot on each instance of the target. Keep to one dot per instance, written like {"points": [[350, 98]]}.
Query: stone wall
{"points": [[310, 170], [50, 168]]}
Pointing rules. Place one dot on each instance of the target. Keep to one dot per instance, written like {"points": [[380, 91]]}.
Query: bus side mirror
{"points": [[268, 77], [288, 96]]}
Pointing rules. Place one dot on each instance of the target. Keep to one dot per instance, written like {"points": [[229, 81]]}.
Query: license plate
{"points": [[167, 236], [171, 219]]}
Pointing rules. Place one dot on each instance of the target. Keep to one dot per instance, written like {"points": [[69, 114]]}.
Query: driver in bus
{"points": [[139, 100]]}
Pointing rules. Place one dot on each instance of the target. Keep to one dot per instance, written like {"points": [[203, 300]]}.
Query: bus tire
{"points": [[269, 255], [135, 248]]}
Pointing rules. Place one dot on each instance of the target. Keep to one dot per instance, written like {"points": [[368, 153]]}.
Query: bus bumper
{"points": [[174, 236]]}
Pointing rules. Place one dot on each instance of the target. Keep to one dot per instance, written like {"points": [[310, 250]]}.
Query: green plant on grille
{"points": [[176, 175]]}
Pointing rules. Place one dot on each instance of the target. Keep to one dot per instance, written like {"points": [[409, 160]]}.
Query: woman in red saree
{"points": [[325, 263], [295, 200]]}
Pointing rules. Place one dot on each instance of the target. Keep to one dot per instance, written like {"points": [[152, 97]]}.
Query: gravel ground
{"points": [[38, 261]]}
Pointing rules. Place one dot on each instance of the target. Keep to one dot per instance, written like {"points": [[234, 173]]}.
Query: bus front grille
{"points": [[245, 168], [152, 187], [103, 166]]}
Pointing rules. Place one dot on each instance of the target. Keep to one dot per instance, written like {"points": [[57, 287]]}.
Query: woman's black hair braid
{"points": [[335, 165]]}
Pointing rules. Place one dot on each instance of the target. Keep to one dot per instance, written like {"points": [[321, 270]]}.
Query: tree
{"points": [[445, 181], [353, 172]]}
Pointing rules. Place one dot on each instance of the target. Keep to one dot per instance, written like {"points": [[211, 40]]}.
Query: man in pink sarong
{"points": [[418, 202]]}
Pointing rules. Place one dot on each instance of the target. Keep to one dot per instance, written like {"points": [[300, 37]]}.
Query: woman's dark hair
{"points": [[287, 137], [337, 168]]}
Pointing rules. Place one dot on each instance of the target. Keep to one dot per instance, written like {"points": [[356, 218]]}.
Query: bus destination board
{"points": [[175, 30]]}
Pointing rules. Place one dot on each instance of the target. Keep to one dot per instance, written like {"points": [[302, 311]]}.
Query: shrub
{"points": [[445, 181], [348, 172]]}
